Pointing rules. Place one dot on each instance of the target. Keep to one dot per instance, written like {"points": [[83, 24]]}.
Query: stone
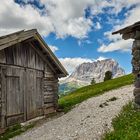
{"points": [[137, 83]]}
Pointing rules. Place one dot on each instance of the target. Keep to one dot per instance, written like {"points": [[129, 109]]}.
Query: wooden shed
{"points": [[29, 73]]}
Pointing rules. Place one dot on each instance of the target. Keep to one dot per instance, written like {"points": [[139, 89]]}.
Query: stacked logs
{"points": [[136, 70]]}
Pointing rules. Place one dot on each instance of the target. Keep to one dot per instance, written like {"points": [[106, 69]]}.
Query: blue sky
{"points": [[76, 31]]}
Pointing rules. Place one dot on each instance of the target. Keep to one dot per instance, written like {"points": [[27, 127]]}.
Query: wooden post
{"points": [[136, 71]]}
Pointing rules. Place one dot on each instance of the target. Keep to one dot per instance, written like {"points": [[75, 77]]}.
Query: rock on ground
{"points": [[87, 121]]}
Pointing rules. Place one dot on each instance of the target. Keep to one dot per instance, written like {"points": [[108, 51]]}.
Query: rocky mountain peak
{"points": [[85, 72]]}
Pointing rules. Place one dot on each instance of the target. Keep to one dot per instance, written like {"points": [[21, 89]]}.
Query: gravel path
{"points": [[87, 121]]}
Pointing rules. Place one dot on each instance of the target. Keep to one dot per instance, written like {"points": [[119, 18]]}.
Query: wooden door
{"points": [[14, 95], [22, 95], [34, 93]]}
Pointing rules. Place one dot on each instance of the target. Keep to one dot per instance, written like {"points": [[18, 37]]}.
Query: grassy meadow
{"points": [[67, 102], [126, 125]]}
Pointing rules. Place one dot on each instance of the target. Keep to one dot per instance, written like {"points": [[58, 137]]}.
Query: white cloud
{"points": [[71, 63], [53, 48], [63, 17], [101, 58], [117, 43], [98, 26], [121, 45]]}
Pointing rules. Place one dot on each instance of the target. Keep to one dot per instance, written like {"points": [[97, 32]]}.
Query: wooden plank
{"points": [[13, 42], [39, 63], [15, 95], [34, 94], [3, 111], [49, 110], [47, 105], [12, 120], [45, 59], [24, 54], [31, 58], [2, 56], [17, 54], [9, 55], [48, 99]]}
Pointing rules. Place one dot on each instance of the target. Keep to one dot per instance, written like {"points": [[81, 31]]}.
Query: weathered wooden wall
{"points": [[21, 55], [50, 91], [29, 86], [0, 95]]}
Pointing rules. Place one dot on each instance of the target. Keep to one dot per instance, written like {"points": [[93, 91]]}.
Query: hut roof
{"points": [[129, 29], [20, 36]]}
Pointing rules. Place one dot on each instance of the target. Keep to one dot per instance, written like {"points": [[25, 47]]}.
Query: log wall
{"points": [[50, 91]]}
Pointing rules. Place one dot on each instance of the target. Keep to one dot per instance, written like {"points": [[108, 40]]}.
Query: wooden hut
{"points": [[133, 32], [29, 73]]}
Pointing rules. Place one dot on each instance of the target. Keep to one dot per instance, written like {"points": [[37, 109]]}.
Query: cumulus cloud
{"points": [[63, 17], [60, 17], [121, 45], [116, 41], [53, 48]]}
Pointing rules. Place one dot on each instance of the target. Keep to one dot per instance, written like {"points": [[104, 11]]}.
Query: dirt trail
{"points": [[87, 121]]}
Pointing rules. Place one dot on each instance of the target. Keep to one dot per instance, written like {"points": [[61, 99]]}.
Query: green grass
{"points": [[126, 125], [14, 131], [67, 102]]}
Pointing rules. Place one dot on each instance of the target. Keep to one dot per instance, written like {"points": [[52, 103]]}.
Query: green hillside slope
{"points": [[67, 102], [66, 88]]}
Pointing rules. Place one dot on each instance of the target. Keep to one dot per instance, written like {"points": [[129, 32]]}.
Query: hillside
{"points": [[84, 73], [67, 102], [66, 88]]}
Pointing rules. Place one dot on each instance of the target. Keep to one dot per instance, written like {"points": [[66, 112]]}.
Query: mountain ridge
{"points": [[84, 73]]}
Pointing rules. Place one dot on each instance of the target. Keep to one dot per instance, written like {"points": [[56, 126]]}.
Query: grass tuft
{"points": [[126, 125], [14, 131]]}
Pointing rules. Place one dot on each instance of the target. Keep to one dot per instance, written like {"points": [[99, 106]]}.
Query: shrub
{"points": [[108, 75]]}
